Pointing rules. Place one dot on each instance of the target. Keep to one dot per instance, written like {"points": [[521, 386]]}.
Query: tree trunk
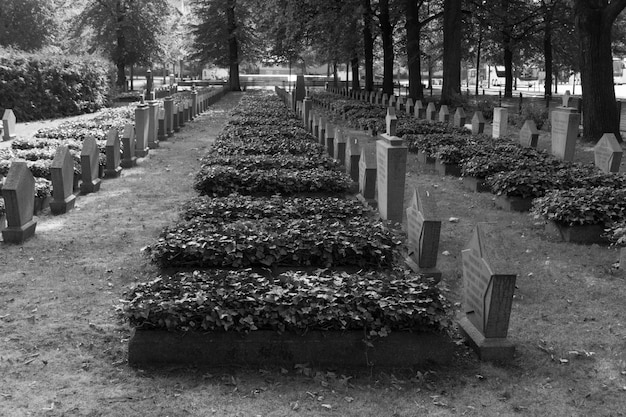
{"points": [[355, 74], [480, 43], [368, 45], [413, 49], [335, 75], [508, 67], [596, 68], [547, 53], [386, 31], [120, 53], [451, 51], [233, 46]]}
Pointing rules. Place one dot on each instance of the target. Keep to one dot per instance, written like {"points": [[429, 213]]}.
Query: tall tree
{"points": [[223, 35], [136, 29], [26, 24], [386, 32], [594, 20], [368, 44], [452, 36]]}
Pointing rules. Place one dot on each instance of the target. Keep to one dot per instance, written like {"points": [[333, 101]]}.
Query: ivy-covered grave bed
{"points": [[255, 275], [519, 176]]}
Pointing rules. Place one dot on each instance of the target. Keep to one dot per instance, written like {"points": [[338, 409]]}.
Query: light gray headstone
{"points": [[8, 123], [608, 153], [528, 134]]}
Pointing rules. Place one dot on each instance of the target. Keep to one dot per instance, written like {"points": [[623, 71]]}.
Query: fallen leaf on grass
{"points": [[348, 399], [327, 406]]}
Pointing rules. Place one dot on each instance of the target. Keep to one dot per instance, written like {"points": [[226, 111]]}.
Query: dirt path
{"points": [[59, 343]]}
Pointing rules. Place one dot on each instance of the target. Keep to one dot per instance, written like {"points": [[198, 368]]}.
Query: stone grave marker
{"points": [[459, 117], [153, 124], [408, 107], [186, 116], [400, 104], [339, 149], [385, 99], [129, 159], [488, 294], [321, 130], [113, 168], [329, 139], [194, 104], [307, 105], [62, 172], [18, 192], [181, 115], [391, 121], [392, 101], [566, 98], [175, 119], [141, 130], [565, 122], [500, 122], [8, 124], [423, 232], [431, 112], [89, 160], [608, 153], [444, 114], [528, 134], [419, 110], [353, 153], [161, 131], [315, 124], [391, 157], [168, 105], [300, 88], [367, 172], [478, 123]]}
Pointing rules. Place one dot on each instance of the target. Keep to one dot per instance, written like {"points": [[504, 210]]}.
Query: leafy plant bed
{"points": [[585, 233], [514, 203], [344, 349], [268, 242], [477, 185], [447, 169]]}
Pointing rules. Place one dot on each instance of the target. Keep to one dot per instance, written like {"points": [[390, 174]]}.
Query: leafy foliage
{"points": [[35, 15], [295, 301]]}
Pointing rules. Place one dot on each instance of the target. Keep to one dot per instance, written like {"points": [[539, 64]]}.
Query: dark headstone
{"points": [[141, 130], [423, 231], [89, 160], [168, 105], [340, 142], [129, 159], [113, 168], [329, 133], [18, 192], [391, 121], [408, 107], [367, 172], [391, 157], [153, 124], [62, 173]]}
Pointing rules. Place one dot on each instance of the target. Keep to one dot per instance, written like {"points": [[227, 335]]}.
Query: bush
{"points": [[536, 112], [40, 86]]}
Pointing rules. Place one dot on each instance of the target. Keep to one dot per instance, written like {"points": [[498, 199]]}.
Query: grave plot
{"points": [[291, 237]]}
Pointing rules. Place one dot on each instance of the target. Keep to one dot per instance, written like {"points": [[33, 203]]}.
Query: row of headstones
{"points": [[488, 291], [19, 187]]}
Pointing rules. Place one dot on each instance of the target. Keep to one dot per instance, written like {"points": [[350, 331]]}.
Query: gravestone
{"points": [[62, 173], [385, 99], [500, 122], [329, 134], [315, 125], [339, 149], [419, 110], [161, 131], [459, 117], [431, 112], [8, 124], [528, 134], [391, 121], [391, 157], [488, 294], [307, 105], [168, 105], [129, 159], [186, 117], [181, 115], [444, 114], [392, 101], [408, 107], [353, 154], [608, 153], [367, 172], [565, 122], [18, 192], [378, 97], [566, 98], [423, 232], [175, 119], [141, 130], [321, 130], [300, 88], [478, 123], [194, 104], [113, 168], [153, 124], [89, 160], [400, 104]]}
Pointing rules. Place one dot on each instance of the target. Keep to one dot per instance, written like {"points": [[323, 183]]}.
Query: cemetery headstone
{"points": [[113, 168], [459, 117], [478, 123], [8, 124], [194, 104], [500, 122], [565, 122], [18, 192], [378, 98], [528, 134], [408, 107], [186, 117], [62, 173], [129, 159], [488, 294], [175, 118], [89, 161], [315, 123], [307, 105], [391, 121], [400, 104], [367, 172], [181, 115], [168, 105], [608, 153], [353, 154], [566, 98], [321, 130], [391, 157], [444, 114], [423, 232], [431, 112], [161, 130], [141, 130], [153, 124], [385, 99], [340, 142], [392, 101], [419, 110], [329, 133]]}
